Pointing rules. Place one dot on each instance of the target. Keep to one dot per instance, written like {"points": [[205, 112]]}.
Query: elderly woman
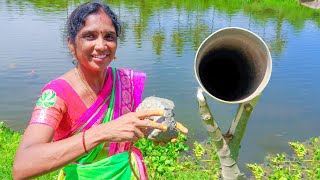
{"points": [[84, 121]]}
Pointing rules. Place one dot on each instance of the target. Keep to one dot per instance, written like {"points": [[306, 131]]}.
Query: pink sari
{"points": [[69, 115]]}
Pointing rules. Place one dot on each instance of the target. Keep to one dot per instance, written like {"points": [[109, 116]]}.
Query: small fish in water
{"points": [[32, 73]]}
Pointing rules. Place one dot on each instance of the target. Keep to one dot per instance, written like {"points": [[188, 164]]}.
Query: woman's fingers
{"points": [[181, 128], [174, 140], [129, 126], [157, 125], [138, 133], [147, 113], [151, 124], [145, 123], [140, 122]]}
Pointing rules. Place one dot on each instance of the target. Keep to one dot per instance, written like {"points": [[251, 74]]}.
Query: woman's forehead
{"points": [[99, 19]]}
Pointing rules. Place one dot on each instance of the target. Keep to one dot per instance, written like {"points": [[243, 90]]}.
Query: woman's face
{"points": [[96, 43]]}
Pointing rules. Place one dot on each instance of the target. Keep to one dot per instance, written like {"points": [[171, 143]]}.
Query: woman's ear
{"points": [[72, 48]]}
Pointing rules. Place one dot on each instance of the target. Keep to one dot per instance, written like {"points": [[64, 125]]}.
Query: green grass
{"points": [[177, 161], [304, 163], [9, 142], [174, 161]]}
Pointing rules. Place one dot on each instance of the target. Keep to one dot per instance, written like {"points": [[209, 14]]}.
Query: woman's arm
{"points": [[37, 154]]}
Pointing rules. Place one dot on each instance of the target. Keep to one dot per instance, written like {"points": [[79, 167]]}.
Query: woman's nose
{"points": [[100, 44]]}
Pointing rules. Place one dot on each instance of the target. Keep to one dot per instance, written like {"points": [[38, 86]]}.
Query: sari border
{"points": [[99, 102]]}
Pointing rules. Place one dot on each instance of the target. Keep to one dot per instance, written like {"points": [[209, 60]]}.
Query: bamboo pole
{"points": [[227, 144]]}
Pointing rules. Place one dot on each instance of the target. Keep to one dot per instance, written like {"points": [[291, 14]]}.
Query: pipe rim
{"points": [[262, 84]]}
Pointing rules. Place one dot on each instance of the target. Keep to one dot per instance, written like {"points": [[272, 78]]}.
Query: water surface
{"points": [[161, 39]]}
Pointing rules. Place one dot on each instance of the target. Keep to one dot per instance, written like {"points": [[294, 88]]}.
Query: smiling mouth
{"points": [[100, 57]]}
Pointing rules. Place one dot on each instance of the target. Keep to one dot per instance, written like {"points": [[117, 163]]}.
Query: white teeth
{"points": [[100, 57]]}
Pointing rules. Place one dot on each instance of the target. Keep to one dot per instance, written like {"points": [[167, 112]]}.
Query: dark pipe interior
{"points": [[227, 74]]}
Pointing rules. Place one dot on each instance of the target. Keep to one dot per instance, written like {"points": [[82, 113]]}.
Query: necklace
{"points": [[85, 84]]}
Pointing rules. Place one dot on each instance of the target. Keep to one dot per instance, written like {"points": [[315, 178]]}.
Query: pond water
{"points": [[161, 38]]}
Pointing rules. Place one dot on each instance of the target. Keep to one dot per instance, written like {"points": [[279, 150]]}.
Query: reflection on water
{"points": [[161, 37]]}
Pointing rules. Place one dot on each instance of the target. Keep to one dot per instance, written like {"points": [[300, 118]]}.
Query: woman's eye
{"points": [[110, 37], [88, 37]]}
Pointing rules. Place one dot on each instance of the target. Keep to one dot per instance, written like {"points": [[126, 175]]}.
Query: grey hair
{"points": [[77, 18]]}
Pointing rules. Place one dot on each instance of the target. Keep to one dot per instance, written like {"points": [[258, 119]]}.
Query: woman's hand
{"points": [[180, 127], [129, 126]]}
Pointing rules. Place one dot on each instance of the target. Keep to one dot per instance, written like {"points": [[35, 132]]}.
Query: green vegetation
{"points": [[9, 141], [176, 161], [160, 160], [304, 164], [172, 161]]}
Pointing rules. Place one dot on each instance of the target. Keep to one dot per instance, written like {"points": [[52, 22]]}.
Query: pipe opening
{"points": [[228, 74]]}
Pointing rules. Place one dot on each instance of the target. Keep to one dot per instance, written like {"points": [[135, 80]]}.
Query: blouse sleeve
{"points": [[49, 109]]}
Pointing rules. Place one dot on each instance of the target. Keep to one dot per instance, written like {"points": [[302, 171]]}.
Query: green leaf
{"points": [[160, 169], [163, 158], [47, 99], [168, 162], [171, 169]]}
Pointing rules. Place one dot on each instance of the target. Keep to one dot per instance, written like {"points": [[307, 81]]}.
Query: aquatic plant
{"points": [[174, 161], [303, 164], [9, 141]]}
